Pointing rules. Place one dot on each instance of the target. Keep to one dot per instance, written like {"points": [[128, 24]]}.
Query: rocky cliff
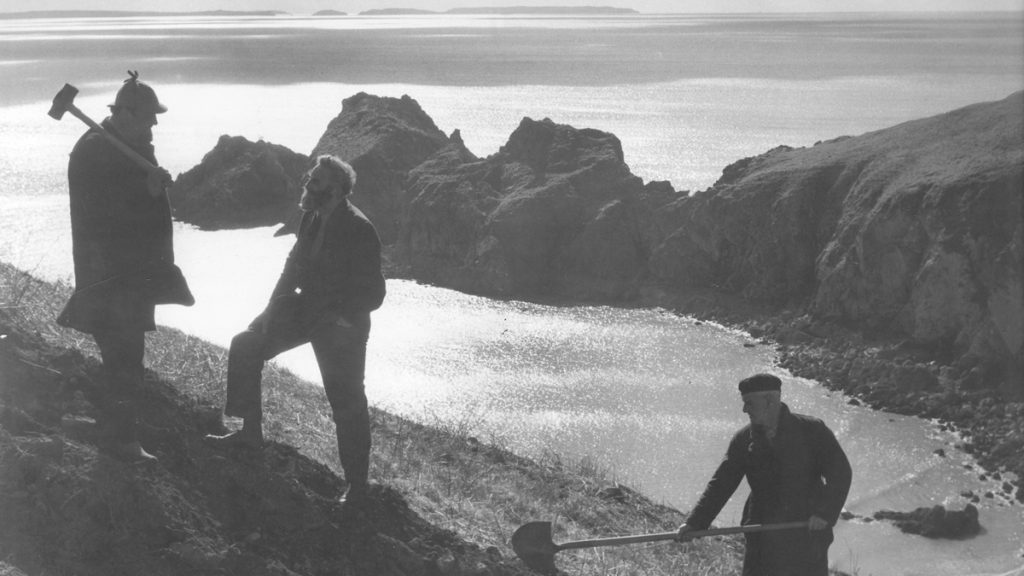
{"points": [[912, 230], [240, 184], [555, 210], [383, 139]]}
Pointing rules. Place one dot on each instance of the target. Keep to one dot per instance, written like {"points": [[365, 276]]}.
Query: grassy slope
{"points": [[446, 503]]}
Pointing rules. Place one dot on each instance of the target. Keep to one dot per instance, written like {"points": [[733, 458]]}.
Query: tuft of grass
{"points": [[478, 489]]}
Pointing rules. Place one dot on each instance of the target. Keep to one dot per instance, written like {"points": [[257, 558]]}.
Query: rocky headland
{"points": [[240, 184], [887, 265]]}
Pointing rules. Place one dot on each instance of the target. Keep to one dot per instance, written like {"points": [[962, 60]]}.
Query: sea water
{"points": [[646, 394]]}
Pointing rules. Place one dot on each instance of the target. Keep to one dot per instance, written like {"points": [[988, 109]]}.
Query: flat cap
{"points": [[760, 383]]}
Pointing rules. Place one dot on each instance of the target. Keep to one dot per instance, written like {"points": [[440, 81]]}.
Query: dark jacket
{"points": [[122, 241], [802, 472], [343, 277]]}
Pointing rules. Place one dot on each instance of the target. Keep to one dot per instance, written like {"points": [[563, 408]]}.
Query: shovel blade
{"points": [[532, 543]]}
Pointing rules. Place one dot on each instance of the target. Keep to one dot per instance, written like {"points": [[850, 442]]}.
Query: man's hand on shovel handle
{"points": [[158, 182], [683, 535], [816, 523]]}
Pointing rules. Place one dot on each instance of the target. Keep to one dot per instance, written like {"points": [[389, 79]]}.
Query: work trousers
{"points": [[341, 355], [787, 553], [122, 353]]}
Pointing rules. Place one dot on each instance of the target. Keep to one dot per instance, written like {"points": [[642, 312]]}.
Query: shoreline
{"points": [[710, 313], [887, 375], [883, 373]]}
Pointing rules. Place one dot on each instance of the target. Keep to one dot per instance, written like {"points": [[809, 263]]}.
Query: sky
{"points": [[645, 6]]}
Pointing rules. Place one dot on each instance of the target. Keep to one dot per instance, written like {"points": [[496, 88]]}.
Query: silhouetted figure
{"points": [[331, 282], [124, 253]]}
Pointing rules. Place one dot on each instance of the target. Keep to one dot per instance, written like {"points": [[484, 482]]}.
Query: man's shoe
{"points": [[355, 495], [132, 452], [236, 440]]}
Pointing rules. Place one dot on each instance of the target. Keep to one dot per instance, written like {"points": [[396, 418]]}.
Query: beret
{"points": [[760, 383]]}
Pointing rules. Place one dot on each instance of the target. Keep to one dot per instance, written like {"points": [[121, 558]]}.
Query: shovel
{"points": [[532, 541]]}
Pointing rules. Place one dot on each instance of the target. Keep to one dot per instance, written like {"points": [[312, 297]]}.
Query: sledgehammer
{"points": [[64, 101]]}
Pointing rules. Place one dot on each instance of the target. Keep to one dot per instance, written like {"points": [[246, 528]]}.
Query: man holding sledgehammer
{"points": [[796, 471], [123, 250]]}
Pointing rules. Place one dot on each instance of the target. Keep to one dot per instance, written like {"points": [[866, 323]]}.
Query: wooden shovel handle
{"points": [[673, 535]]}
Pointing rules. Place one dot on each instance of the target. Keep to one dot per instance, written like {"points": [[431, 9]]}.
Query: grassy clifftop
{"points": [[442, 502]]}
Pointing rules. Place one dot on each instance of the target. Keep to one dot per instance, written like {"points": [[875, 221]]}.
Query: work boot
{"points": [[132, 452], [355, 495], [249, 436], [239, 439]]}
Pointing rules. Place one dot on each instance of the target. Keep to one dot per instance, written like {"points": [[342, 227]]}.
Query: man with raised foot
{"points": [[331, 282]]}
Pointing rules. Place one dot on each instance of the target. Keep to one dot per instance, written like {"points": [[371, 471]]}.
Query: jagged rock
{"points": [[383, 139], [240, 184], [912, 230], [935, 522], [555, 210]]}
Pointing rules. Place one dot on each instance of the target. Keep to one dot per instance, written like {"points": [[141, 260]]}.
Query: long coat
{"points": [[802, 472], [122, 241]]}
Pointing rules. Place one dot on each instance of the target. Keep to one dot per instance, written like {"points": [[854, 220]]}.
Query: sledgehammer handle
{"points": [[124, 148], [673, 535]]}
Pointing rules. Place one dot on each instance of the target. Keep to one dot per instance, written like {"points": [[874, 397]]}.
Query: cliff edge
{"points": [[913, 231]]}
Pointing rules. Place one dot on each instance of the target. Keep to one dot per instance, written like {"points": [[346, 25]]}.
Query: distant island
{"points": [[500, 10], [396, 12], [507, 10], [131, 14]]}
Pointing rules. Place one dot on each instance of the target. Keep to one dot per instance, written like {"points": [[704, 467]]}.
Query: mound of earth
{"points": [[69, 507]]}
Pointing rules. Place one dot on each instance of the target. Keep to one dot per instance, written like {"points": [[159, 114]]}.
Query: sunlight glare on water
{"points": [[648, 395]]}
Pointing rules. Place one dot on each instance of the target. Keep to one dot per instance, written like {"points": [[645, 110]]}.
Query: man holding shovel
{"points": [[123, 250], [796, 471]]}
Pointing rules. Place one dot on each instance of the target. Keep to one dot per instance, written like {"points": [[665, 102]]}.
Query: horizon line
{"points": [[419, 12]]}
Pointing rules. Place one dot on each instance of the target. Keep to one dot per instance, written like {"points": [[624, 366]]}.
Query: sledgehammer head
{"points": [[63, 101]]}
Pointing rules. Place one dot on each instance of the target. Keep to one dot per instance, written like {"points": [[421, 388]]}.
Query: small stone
{"points": [[446, 564]]}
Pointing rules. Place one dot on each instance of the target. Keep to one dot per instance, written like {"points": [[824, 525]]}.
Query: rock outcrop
{"points": [[913, 230], [383, 139], [935, 522], [887, 265], [240, 184], [555, 210]]}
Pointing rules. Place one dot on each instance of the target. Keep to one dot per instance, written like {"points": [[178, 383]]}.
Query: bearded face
{"points": [[317, 188]]}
